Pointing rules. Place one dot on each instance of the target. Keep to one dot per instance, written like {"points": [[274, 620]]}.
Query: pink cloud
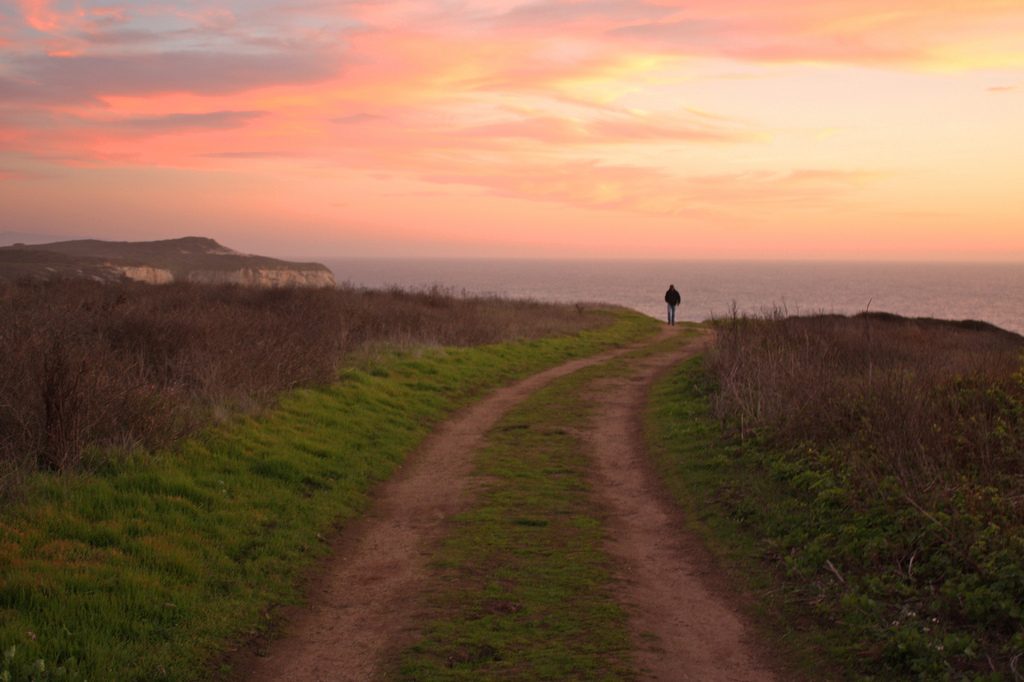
{"points": [[39, 15], [245, 155], [563, 131], [589, 105], [588, 184], [356, 119], [544, 14], [170, 123], [870, 32], [121, 37], [641, 189], [85, 78], [43, 17]]}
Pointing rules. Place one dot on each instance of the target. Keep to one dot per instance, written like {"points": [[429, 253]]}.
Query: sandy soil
{"points": [[364, 604], [682, 627]]}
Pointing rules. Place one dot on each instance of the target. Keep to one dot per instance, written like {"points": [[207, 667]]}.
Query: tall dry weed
{"points": [[925, 401], [131, 365]]}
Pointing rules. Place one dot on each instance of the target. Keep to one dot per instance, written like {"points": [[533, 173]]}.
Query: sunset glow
{"points": [[848, 129]]}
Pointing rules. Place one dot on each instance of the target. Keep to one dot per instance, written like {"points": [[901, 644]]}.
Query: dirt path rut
{"points": [[364, 605], [681, 629]]}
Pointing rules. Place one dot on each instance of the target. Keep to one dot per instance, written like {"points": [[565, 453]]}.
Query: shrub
{"points": [[99, 366], [881, 469], [921, 400]]}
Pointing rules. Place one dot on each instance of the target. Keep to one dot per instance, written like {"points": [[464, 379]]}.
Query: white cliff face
{"points": [[144, 273], [253, 277], [259, 277]]}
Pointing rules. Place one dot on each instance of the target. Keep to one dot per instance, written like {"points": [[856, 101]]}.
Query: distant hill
{"points": [[189, 259], [931, 322], [8, 238]]}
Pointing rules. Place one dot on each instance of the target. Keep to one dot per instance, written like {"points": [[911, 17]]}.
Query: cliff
{"points": [[265, 277], [190, 259]]}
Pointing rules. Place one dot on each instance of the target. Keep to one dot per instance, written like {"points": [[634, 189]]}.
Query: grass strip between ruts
{"points": [[149, 568], [525, 588]]}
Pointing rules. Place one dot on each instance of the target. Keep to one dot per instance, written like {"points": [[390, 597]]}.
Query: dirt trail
{"points": [[681, 629], [364, 605]]}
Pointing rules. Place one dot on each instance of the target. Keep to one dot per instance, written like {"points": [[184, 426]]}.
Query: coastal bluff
{"points": [[188, 259]]}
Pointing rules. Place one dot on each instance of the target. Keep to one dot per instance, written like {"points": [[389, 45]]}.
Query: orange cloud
{"points": [[621, 130], [639, 110], [869, 32], [592, 184], [39, 15]]}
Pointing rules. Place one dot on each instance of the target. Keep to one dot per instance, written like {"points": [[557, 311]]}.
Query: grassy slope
{"points": [[787, 526], [526, 591], [145, 570]]}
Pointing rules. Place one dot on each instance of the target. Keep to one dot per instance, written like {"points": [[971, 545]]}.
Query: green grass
{"points": [[148, 568], [526, 591], [849, 586], [720, 489], [525, 588]]}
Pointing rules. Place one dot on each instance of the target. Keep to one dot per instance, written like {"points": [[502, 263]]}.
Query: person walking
{"points": [[672, 298]]}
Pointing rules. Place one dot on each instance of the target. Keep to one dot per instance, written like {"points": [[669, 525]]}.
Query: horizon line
{"points": [[644, 259]]}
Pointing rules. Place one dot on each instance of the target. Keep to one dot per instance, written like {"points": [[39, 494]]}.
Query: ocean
{"points": [[989, 292]]}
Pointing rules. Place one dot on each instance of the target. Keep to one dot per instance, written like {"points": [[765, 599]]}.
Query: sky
{"points": [[696, 129]]}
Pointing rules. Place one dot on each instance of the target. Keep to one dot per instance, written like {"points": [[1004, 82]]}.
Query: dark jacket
{"points": [[672, 297]]}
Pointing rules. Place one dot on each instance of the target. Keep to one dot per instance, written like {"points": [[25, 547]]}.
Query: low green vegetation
{"points": [[146, 567], [525, 588], [878, 547]]}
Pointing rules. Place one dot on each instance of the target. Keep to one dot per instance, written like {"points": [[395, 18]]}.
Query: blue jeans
{"points": [[671, 314]]}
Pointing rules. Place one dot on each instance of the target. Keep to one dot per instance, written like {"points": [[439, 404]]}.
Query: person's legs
{"points": [[671, 314]]}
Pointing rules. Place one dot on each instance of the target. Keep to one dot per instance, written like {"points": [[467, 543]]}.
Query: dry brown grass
{"points": [[926, 401], [88, 365]]}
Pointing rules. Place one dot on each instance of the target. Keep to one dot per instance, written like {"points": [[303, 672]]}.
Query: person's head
{"points": [[671, 286]]}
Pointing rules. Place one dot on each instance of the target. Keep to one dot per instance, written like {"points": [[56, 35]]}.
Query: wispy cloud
{"points": [[210, 120], [125, 36], [868, 32], [355, 119], [620, 130], [40, 15], [89, 77], [591, 184], [52, 18], [548, 13], [249, 155], [644, 107]]}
